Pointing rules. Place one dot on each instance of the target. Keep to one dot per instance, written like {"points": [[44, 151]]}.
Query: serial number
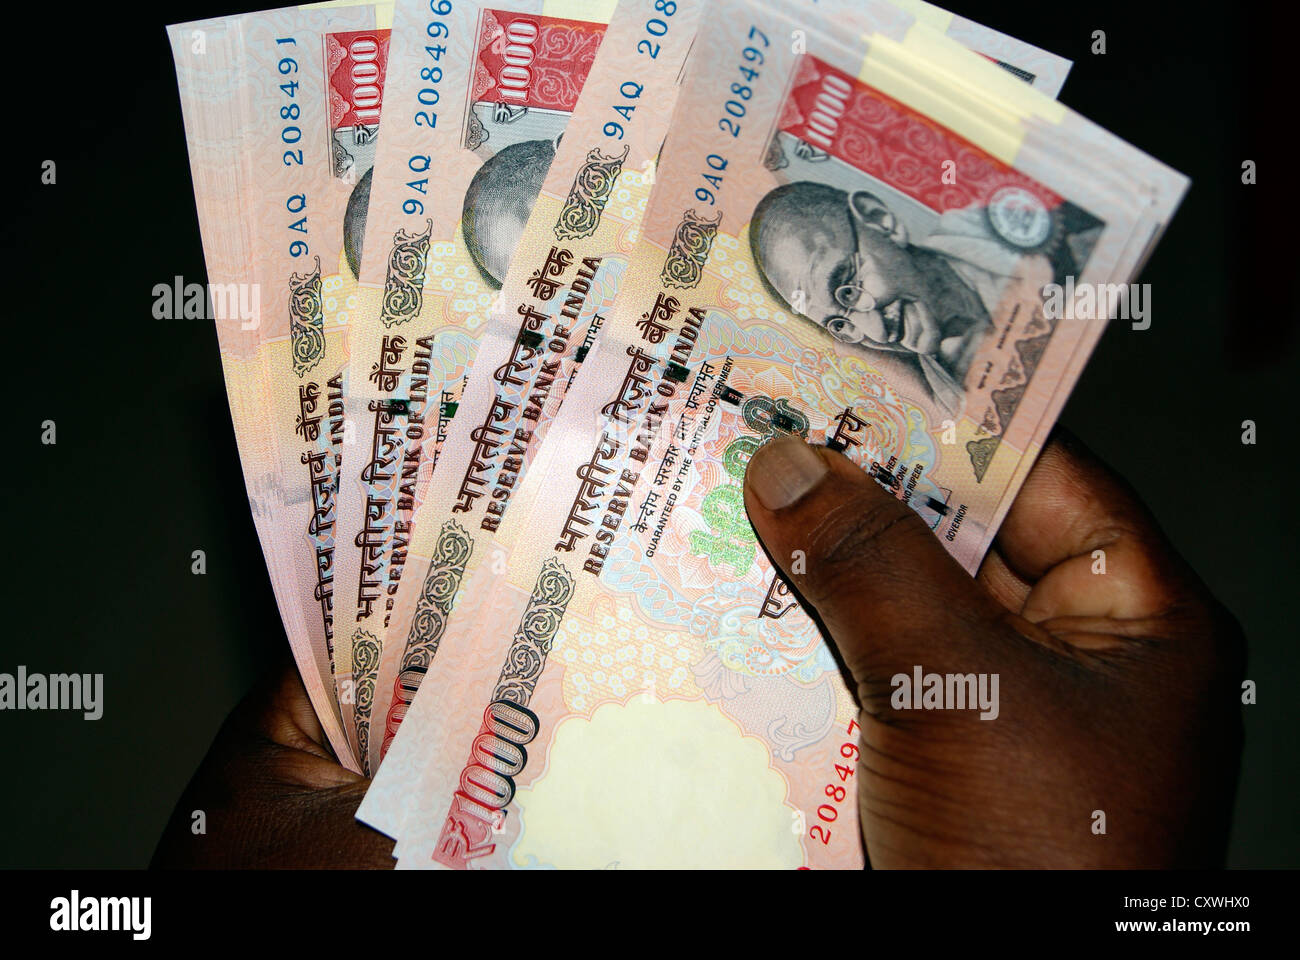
{"points": [[428, 96], [657, 27], [734, 108], [291, 133], [837, 792]]}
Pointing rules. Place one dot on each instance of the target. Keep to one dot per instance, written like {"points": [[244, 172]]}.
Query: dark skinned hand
{"points": [[1119, 691], [273, 795]]}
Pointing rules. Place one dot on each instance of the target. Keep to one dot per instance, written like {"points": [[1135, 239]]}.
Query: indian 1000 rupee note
{"points": [[477, 96], [565, 275], [854, 250], [256, 94]]}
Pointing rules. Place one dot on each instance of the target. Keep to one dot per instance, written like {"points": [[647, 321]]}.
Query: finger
{"points": [[280, 711], [1082, 541], [1006, 586], [311, 830], [264, 824], [884, 587]]}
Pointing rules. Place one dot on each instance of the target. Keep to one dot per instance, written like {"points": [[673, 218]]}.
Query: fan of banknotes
{"points": [[533, 280]]}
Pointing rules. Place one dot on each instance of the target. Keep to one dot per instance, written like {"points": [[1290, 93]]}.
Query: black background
{"points": [[101, 526]]}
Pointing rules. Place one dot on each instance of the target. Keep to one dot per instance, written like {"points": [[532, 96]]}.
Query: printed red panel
{"points": [[839, 114], [527, 60], [355, 64]]}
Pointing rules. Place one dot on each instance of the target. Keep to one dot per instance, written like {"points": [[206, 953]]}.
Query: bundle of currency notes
{"points": [[535, 278]]}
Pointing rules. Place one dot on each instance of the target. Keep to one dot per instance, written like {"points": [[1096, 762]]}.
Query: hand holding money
{"points": [[1124, 681], [270, 794], [1129, 674], [544, 353]]}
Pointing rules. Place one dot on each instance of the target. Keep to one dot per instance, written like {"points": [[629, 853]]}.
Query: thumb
{"points": [[888, 593]]}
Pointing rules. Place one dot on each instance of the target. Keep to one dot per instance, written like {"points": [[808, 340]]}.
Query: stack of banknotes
{"points": [[531, 282]]}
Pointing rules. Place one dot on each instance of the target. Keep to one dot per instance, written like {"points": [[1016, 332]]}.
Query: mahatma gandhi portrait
{"points": [[498, 202], [843, 260]]}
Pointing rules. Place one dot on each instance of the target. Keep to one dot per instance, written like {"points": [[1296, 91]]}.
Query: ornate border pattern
{"points": [[404, 283], [537, 629], [365, 669], [691, 242], [306, 320], [587, 197]]}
